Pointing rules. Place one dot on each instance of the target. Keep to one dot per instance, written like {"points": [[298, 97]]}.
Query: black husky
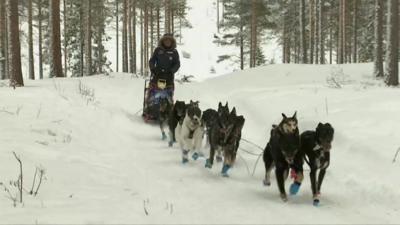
{"points": [[316, 146], [176, 116], [224, 136], [164, 112], [282, 151]]}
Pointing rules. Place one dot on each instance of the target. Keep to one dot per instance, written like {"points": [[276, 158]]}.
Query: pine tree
{"points": [[14, 44], [30, 42], [125, 36], [378, 56], [3, 44], [88, 37], [302, 19], [56, 66], [392, 67]]}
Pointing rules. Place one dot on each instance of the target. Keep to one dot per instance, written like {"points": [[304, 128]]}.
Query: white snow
{"points": [[104, 165]]}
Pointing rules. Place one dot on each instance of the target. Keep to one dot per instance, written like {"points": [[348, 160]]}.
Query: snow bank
{"points": [[104, 165]]}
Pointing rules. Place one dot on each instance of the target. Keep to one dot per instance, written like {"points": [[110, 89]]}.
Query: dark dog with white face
{"points": [[189, 134], [176, 116], [316, 146], [282, 151]]}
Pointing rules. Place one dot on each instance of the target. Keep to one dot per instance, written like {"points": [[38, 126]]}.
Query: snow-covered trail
{"points": [[104, 165]]}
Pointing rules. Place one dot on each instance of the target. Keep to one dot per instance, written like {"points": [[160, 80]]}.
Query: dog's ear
{"points": [[320, 124], [284, 116], [233, 113], [219, 105], [294, 115]]}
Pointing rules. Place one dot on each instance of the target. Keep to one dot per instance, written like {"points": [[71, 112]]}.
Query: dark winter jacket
{"points": [[164, 62]]}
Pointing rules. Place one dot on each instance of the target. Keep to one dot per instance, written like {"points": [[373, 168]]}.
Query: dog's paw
{"points": [[208, 164], [284, 197], [219, 159], [170, 144], [195, 156], [316, 202], [294, 188], [225, 170], [163, 136], [267, 183], [185, 160]]}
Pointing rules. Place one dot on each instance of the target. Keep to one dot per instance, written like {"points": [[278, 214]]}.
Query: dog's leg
{"points": [[321, 177], [171, 138], [164, 136], [197, 140], [269, 164], [279, 171], [314, 187], [227, 161], [210, 160]]}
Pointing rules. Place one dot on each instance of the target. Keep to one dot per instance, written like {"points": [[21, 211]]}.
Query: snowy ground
{"points": [[104, 165]]}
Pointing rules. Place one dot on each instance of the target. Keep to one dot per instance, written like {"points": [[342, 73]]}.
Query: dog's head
{"points": [[194, 114], [324, 135], [180, 108], [289, 145], [210, 117], [289, 125]]}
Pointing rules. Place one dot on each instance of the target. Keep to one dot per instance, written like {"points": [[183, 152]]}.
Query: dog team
{"points": [[286, 150]]}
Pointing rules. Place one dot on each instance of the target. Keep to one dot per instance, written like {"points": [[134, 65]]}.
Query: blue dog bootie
{"points": [[294, 188], [195, 156], [208, 164], [316, 202], [225, 169]]}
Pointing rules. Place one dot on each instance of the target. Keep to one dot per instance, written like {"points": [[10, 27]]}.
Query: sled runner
{"points": [[154, 92]]}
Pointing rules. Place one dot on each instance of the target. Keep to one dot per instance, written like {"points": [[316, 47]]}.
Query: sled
{"points": [[153, 93]]}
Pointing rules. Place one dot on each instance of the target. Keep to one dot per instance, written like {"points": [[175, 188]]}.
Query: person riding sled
{"points": [[164, 63]]}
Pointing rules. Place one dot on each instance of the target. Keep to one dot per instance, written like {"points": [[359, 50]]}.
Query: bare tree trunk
{"points": [[378, 57], [302, 19], [218, 16], [65, 40], [151, 28], [39, 5], [117, 32], [392, 76], [88, 39], [134, 37], [355, 29], [82, 38], [56, 65], [321, 31], [341, 33], [141, 43], [316, 32], [344, 30], [241, 46], [172, 22], [158, 23], [130, 38], [125, 37], [253, 35], [3, 74], [30, 42], [312, 30], [167, 16], [14, 44], [146, 38]]}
